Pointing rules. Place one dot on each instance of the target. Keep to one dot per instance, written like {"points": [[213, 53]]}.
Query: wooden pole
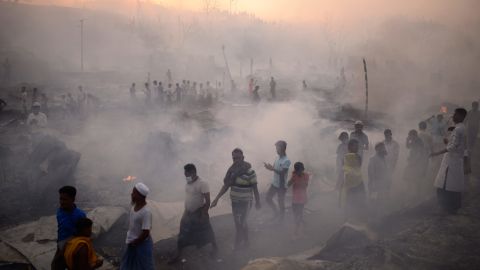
{"points": [[366, 87], [226, 64], [81, 45]]}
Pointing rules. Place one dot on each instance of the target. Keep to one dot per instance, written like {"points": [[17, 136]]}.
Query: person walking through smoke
{"points": [[450, 180], [393, 150], [299, 183], [139, 251], [79, 252], [352, 191], [67, 217], [195, 228], [279, 184], [242, 181]]}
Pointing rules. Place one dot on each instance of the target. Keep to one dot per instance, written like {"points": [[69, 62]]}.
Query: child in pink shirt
{"points": [[299, 183]]}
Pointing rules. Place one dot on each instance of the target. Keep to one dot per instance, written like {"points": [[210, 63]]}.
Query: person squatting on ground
{"points": [[79, 252], [242, 181]]}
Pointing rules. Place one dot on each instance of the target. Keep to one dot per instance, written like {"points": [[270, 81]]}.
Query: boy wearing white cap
{"points": [[139, 253]]}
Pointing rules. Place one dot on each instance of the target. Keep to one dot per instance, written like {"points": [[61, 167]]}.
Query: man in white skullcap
{"points": [[139, 252], [36, 118]]}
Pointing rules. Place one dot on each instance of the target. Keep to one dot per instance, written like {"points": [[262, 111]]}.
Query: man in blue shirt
{"points": [[279, 183], [67, 216]]}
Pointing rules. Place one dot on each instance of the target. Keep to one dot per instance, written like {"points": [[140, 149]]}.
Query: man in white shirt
{"points": [[139, 252], [36, 119], [195, 228], [279, 182], [450, 177]]}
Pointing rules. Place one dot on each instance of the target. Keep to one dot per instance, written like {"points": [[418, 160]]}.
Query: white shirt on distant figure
{"points": [[139, 220]]}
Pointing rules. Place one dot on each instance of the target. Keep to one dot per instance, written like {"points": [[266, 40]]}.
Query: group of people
{"points": [[357, 195], [35, 105], [75, 249], [169, 94], [423, 173]]}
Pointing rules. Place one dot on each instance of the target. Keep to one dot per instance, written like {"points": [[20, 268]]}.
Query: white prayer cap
{"points": [[359, 123], [142, 189], [36, 104]]}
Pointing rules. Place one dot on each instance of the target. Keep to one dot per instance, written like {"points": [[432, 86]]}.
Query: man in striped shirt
{"points": [[242, 181]]}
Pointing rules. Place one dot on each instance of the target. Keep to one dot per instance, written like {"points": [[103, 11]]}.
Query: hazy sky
{"points": [[318, 10]]}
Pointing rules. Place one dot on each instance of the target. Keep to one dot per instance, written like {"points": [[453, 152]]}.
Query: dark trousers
{"points": [[280, 192], [240, 211]]}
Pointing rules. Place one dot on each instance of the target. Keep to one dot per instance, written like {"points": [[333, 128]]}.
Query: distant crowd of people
{"points": [[423, 173]]}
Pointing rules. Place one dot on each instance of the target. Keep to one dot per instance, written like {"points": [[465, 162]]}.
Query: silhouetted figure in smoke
{"points": [[299, 183], [393, 150], [133, 92], [169, 95], [279, 182], [139, 252], [273, 86], [160, 93], [81, 101], [67, 217], [361, 137], [242, 182], [450, 181], [425, 137], [473, 123], [195, 228], [352, 191], [251, 85], [342, 150], [417, 163], [379, 181], [256, 95], [178, 93], [148, 94], [79, 252], [304, 85]]}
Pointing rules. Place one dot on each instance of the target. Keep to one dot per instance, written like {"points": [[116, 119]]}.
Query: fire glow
{"points": [[129, 178], [443, 109]]}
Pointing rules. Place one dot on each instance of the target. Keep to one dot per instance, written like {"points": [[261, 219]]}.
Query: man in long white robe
{"points": [[450, 178]]}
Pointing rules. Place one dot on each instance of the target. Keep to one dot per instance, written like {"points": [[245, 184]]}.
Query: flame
{"points": [[129, 178], [443, 109]]}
